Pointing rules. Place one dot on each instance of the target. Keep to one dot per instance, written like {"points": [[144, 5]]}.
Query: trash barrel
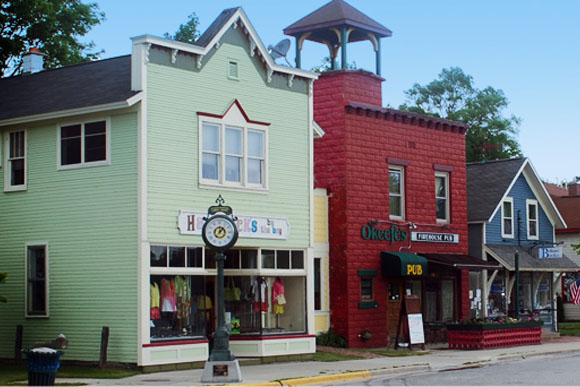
{"points": [[42, 364]]}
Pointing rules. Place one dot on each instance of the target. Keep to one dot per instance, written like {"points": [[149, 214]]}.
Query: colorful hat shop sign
{"points": [[393, 234]]}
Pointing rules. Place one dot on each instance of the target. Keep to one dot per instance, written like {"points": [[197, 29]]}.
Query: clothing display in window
{"points": [[260, 290], [182, 291], [155, 313], [204, 304], [168, 296], [278, 298]]}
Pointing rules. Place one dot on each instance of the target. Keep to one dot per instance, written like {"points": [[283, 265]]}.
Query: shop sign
{"points": [[191, 222], [434, 237], [550, 252], [392, 234]]}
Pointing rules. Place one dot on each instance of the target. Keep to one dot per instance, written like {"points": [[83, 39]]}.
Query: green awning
{"points": [[401, 264]]}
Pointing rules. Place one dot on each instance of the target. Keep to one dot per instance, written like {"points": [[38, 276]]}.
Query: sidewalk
{"points": [[312, 372]]}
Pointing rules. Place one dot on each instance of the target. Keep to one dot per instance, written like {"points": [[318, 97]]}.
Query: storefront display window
{"points": [[496, 304], [394, 291], [182, 306]]}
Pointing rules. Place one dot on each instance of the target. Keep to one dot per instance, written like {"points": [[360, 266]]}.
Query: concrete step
{"points": [[548, 334]]}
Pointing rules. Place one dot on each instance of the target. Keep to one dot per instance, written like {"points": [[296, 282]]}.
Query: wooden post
{"points": [[18, 344], [104, 346]]}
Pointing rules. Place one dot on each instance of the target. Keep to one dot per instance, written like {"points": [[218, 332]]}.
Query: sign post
{"points": [[220, 233]]}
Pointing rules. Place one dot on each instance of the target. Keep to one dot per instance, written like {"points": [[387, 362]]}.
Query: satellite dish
{"points": [[280, 50]]}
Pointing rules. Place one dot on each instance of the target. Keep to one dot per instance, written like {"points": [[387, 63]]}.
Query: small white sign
{"points": [[550, 252], [416, 335], [191, 222], [437, 237]]}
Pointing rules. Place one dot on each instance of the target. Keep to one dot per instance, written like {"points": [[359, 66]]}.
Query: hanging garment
{"points": [[278, 292], [260, 290], [204, 304], [154, 291], [168, 296]]}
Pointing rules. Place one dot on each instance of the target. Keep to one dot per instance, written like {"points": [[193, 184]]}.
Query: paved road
{"points": [[554, 370]]}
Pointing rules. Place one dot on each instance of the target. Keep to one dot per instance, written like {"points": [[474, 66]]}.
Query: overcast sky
{"points": [[530, 49]]}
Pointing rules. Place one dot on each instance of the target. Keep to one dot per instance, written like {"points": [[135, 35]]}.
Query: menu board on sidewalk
{"points": [[416, 334]]}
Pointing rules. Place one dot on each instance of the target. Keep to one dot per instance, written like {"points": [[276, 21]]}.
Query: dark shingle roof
{"points": [[487, 182], [214, 28], [528, 261], [83, 85], [335, 13], [569, 207]]}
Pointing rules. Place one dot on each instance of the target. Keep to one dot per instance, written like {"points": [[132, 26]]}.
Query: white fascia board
{"points": [[73, 112], [198, 50], [509, 188], [543, 197], [317, 130]]}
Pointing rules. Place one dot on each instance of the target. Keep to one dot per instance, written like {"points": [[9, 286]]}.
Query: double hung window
{"points": [[396, 192], [507, 218], [532, 216], [442, 196], [15, 175], [83, 144], [233, 155]]}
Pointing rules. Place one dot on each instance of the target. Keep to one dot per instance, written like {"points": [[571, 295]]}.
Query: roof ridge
{"points": [[65, 67]]}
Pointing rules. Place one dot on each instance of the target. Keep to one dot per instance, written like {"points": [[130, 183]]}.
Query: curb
{"points": [[344, 377]]}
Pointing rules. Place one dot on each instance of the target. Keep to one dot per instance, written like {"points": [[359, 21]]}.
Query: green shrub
{"points": [[330, 339]]}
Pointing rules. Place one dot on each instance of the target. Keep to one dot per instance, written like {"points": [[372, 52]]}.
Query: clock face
{"points": [[219, 232]]}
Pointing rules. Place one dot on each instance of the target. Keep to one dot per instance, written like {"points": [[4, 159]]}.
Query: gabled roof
{"points": [[337, 13], [569, 207], [488, 183], [505, 254], [90, 84], [229, 18]]}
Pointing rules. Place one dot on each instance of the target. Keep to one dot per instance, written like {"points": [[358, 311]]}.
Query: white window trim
{"points": [[503, 217], [222, 123], [8, 171], [46, 283], [447, 198], [533, 202], [401, 170], [83, 164]]}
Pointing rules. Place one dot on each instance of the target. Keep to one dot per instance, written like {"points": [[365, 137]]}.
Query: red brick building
{"points": [[396, 183]]}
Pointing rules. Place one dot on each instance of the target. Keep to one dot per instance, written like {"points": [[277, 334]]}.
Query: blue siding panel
{"points": [[520, 192]]}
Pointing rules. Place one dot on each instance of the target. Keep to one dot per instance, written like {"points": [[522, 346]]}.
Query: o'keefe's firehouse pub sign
{"points": [[434, 237]]}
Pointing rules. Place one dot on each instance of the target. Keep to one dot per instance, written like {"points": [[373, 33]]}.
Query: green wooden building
{"points": [[108, 169]]}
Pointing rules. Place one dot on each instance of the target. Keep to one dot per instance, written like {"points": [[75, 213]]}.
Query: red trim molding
{"points": [[262, 338], [239, 105], [168, 343], [568, 231]]}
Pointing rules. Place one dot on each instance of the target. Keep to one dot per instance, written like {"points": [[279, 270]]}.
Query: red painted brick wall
{"points": [[351, 162]]}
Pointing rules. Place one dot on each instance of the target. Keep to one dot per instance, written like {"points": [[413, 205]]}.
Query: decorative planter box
{"points": [[481, 336]]}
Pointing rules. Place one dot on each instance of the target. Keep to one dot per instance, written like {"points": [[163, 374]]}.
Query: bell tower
{"points": [[336, 24]]}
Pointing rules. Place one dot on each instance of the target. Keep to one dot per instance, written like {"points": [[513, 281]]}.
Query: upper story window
{"points": [[36, 281], [442, 196], [532, 216], [233, 150], [397, 192], [15, 174], [83, 144], [507, 218]]}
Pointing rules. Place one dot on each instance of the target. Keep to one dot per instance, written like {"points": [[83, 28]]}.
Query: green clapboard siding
{"points": [[88, 217], [177, 92]]}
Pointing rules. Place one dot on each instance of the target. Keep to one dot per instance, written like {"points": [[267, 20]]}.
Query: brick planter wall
{"points": [[485, 336]]}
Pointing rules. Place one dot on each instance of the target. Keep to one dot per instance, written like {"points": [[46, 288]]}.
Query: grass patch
{"points": [[569, 328], [327, 356], [391, 352], [10, 373]]}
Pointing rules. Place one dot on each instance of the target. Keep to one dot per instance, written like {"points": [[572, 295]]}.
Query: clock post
{"points": [[219, 232]]}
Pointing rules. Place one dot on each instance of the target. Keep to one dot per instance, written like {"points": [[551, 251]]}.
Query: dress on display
{"points": [[278, 298]]}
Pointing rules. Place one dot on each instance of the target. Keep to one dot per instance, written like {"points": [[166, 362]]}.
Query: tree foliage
{"points": [[326, 65], [52, 26], [453, 96], [576, 247], [187, 32]]}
